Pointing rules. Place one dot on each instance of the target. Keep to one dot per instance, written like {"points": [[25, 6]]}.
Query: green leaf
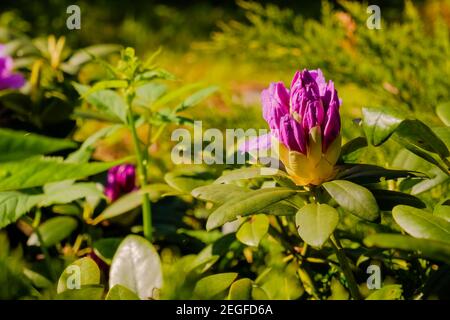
{"points": [[210, 286], [136, 265], [203, 261], [174, 95], [316, 222], [186, 181], [53, 231], [35, 172], [132, 200], [431, 249], [148, 93], [442, 210], [443, 112], [351, 151], [421, 224], [248, 173], [368, 174], [247, 204], [85, 293], [338, 291], [70, 193], [389, 292], [105, 248], [37, 279], [221, 193], [81, 272], [106, 101], [241, 290], [218, 193], [253, 230], [379, 124], [419, 135], [16, 145], [86, 54], [105, 84], [353, 198], [15, 204], [195, 98], [119, 292], [387, 199], [85, 151]]}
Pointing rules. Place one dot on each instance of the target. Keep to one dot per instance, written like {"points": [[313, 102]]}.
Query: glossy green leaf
{"points": [[379, 124], [81, 272], [443, 112], [316, 222], [187, 180], [17, 145], [37, 171], [241, 290], [350, 152], [210, 286], [53, 231], [218, 193], [105, 248], [249, 173], [353, 198], [418, 134], [85, 293], [253, 230], [136, 265], [119, 292], [421, 224], [367, 174], [338, 291], [132, 200], [387, 199], [247, 204], [431, 249], [389, 292]]}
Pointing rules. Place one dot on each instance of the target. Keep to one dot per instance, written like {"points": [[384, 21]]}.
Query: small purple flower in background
{"points": [[8, 79], [305, 126], [121, 180]]}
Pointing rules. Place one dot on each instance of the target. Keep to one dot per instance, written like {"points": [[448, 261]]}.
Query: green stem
{"points": [[343, 261], [142, 175]]}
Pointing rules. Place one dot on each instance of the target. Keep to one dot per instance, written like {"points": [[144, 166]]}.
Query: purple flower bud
{"points": [[121, 179], [9, 80], [275, 103]]}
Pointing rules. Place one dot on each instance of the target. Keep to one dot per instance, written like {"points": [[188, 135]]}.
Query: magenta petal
{"points": [[318, 77], [292, 134], [275, 102], [332, 125]]}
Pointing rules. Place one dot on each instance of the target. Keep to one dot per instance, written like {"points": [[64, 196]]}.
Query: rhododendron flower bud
{"points": [[305, 126], [121, 180], [8, 79]]}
